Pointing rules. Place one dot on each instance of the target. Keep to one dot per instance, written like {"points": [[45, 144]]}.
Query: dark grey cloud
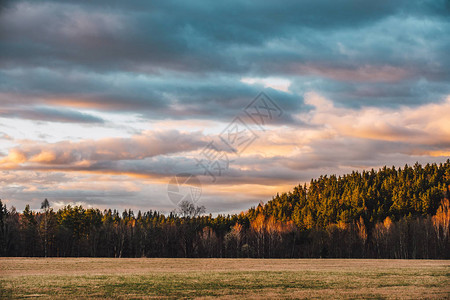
{"points": [[157, 97], [367, 53], [50, 115], [409, 92]]}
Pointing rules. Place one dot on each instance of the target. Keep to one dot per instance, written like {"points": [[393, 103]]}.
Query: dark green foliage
{"points": [[390, 213], [396, 193]]}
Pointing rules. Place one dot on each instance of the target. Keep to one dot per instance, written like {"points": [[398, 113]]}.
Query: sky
{"points": [[110, 104]]}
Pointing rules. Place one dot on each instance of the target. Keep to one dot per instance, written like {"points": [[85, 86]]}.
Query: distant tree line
{"points": [[389, 213]]}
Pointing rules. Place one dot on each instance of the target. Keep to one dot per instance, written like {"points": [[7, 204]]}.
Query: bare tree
{"points": [[45, 205], [187, 209]]}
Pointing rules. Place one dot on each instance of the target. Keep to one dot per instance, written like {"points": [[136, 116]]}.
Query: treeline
{"points": [[389, 213]]}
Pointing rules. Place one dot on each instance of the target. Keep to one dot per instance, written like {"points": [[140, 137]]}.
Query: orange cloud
{"points": [[45, 156], [423, 125], [15, 156], [109, 149]]}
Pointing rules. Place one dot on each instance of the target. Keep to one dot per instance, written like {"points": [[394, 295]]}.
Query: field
{"points": [[225, 278]]}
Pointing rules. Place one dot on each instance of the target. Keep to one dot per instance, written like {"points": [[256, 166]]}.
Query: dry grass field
{"points": [[224, 278]]}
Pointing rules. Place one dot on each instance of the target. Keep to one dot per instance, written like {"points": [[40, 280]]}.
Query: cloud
{"points": [[424, 125], [49, 114], [275, 83], [4, 136], [361, 85], [166, 96], [335, 138], [180, 55], [85, 153]]}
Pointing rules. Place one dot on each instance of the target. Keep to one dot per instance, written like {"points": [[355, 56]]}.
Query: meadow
{"points": [[223, 278]]}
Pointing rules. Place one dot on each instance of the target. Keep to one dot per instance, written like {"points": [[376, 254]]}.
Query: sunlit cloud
{"points": [[281, 84]]}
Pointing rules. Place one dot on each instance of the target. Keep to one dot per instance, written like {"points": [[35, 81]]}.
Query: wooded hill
{"points": [[373, 195], [389, 213]]}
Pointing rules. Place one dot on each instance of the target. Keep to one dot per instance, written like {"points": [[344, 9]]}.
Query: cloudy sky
{"points": [[103, 102]]}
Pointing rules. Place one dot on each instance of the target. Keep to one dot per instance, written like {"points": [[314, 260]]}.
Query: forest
{"points": [[401, 213]]}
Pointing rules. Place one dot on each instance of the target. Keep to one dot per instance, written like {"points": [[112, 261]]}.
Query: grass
{"points": [[222, 278]]}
